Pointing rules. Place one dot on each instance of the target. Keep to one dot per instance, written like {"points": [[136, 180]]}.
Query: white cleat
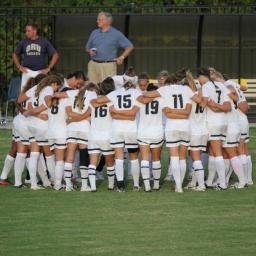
{"points": [[190, 185], [58, 187], [37, 187], [85, 189], [178, 190], [27, 181], [69, 189], [249, 182], [238, 185], [199, 189]]}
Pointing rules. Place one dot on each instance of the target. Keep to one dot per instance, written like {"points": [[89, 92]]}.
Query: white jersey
{"points": [[101, 122], [197, 119], [118, 81], [218, 93], [176, 97], [57, 127], [83, 125], [150, 121], [124, 100]]}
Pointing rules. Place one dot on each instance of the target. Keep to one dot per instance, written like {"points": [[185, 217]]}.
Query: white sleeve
{"points": [[92, 95], [112, 96], [29, 93], [190, 92], [69, 102], [137, 93], [71, 93], [205, 92], [162, 91]]}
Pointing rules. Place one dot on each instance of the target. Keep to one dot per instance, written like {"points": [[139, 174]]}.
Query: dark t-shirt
{"points": [[34, 52]]}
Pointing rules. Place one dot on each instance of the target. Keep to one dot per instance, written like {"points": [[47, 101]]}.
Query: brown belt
{"points": [[103, 61]]}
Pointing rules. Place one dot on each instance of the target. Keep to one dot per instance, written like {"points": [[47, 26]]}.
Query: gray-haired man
{"points": [[102, 47]]}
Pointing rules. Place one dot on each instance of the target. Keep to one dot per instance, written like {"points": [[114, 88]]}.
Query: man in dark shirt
{"points": [[34, 50]]}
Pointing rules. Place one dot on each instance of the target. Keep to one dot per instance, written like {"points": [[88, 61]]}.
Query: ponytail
{"points": [[79, 99]]}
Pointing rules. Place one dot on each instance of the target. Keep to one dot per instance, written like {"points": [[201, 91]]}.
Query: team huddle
{"points": [[68, 122]]}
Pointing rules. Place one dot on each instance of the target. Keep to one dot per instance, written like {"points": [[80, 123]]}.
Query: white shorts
{"points": [[38, 135], [244, 128], [100, 146], [217, 132], [77, 137], [198, 142], [20, 125], [15, 136], [121, 139], [233, 136], [152, 143], [57, 143], [175, 138]]}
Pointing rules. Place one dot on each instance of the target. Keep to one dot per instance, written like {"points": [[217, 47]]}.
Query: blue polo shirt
{"points": [[107, 43]]}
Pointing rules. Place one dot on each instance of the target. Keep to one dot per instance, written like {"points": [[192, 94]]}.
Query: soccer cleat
{"points": [[237, 185], [178, 190], [27, 181], [58, 187], [4, 182], [250, 182], [190, 185], [37, 187], [136, 189], [20, 186], [99, 176], [69, 189], [199, 189], [219, 188], [120, 190], [85, 189]]}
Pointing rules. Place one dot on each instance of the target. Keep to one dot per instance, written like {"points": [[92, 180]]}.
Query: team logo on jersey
{"points": [[33, 50]]}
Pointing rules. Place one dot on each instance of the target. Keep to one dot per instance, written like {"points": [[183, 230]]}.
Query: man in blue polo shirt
{"points": [[102, 47]]}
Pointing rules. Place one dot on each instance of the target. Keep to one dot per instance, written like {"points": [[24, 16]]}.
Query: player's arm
{"points": [[22, 97], [35, 111], [216, 107], [152, 94], [132, 112], [168, 114], [233, 94], [76, 117], [243, 106], [122, 117], [144, 100], [60, 95], [100, 101], [186, 111]]}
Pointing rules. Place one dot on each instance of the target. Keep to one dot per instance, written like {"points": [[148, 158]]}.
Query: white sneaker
{"points": [[178, 190], [99, 175], [156, 187], [190, 185], [249, 182], [69, 189], [58, 187], [85, 189], [37, 187], [199, 189], [27, 181], [238, 185]]}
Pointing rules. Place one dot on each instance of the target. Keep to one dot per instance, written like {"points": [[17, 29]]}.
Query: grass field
{"points": [[107, 223]]}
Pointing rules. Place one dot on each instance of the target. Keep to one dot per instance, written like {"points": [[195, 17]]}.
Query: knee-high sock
{"points": [[50, 162], [135, 168], [84, 176], [175, 165], [19, 165], [59, 171], [220, 168], [228, 170], [33, 160], [199, 173], [183, 167], [92, 176], [204, 159], [8, 164], [68, 174], [156, 168], [42, 171], [249, 166], [211, 170], [194, 178], [238, 169], [243, 159], [119, 167], [145, 173], [111, 176], [101, 164]]}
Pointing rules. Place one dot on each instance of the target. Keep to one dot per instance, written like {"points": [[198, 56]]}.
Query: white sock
{"points": [[42, 171], [50, 162], [19, 165], [211, 170], [156, 167], [84, 176], [183, 166], [68, 174], [135, 168], [32, 167], [176, 171], [227, 165], [111, 176], [249, 166], [119, 167], [199, 173], [220, 168], [27, 162], [8, 164], [244, 161], [238, 169], [194, 178], [92, 176], [145, 173], [59, 171]]}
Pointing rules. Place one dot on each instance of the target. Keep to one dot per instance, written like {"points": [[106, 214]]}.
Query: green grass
{"points": [[108, 223]]}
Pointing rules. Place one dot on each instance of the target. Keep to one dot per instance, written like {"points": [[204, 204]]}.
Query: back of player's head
{"points": [[185, 77], [152, 87], [107, 86], [215, 75], [77, 75], [92, 87], [128, 85], [143, 76], [203, 72]]}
